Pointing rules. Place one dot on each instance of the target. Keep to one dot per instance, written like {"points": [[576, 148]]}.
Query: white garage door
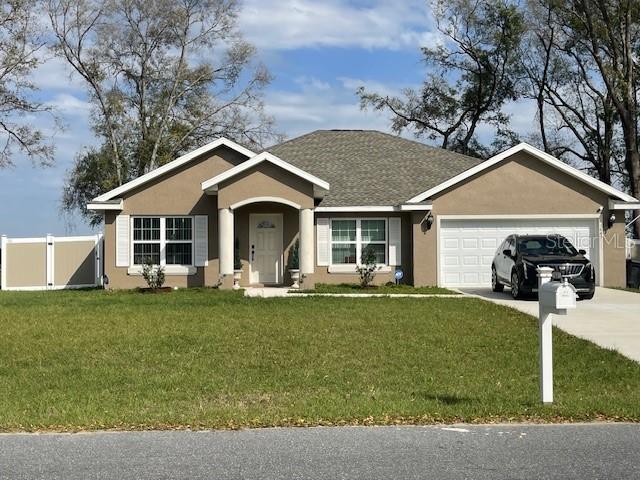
{"points": [[467, 246]]}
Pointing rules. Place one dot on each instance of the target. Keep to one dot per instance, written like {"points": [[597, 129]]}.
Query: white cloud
{"points": [[322, 106], [55, 74], [289, 24], [68, 104], [522, 116], [352, 84], [312, 83]]}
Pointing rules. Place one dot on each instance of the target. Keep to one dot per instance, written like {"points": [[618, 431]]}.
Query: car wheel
{"points": [[496, 286], [515, 285], [588, 296]]}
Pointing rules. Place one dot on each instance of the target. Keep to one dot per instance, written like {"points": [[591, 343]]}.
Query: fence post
{"points": [[50, 261], [99, 253], [3, 262]]}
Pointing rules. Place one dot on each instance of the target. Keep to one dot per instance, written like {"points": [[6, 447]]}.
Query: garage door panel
{"points": [[451, 261], [490, 243], [467, 247], [451, 243], [469, 260], [470, 243]]}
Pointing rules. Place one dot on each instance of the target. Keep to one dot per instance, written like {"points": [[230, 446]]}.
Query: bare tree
{"points": [[473, 74], [576, 117], [609, 32], [164, 76], [19, 45]]}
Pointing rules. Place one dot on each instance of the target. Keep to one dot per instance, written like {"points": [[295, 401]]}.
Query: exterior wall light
{"points": [[612, 219], [427, 222]]}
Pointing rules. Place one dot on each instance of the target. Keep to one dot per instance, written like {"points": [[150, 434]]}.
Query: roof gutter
{"points": [[116, 204], [618, 205]]}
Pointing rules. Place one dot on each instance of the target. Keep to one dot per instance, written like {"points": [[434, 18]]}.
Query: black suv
{"points": [[517, 258]]}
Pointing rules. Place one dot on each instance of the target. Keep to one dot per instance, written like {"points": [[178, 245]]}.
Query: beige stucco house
{"points": [[436, 215]]}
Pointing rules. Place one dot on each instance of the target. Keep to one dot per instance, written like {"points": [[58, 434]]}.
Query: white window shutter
{"points": [[395, 241], [322, 240], [123, 241], [201, 254]]}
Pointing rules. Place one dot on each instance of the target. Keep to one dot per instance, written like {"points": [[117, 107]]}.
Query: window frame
{"points": [[358, 241], [163, 240]]}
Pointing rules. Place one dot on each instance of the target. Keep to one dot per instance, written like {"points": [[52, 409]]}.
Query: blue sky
{"points": [[319, 54]]}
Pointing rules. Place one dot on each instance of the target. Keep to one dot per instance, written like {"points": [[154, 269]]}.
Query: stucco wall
{"points": [[289, 233], [266, 180], [322, 274], [177, 193], [520, 185]]}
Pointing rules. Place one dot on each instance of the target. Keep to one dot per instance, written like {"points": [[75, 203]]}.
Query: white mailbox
{"points": [[557, 297], [554, 297]]}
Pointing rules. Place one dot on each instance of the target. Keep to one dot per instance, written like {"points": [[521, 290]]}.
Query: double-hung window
{"points": [[163, 240], [179, 240], [146, 240], [351, 236]]}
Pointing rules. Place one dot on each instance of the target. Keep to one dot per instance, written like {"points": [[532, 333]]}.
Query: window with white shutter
{"points": [[122, 241], [202, 240], [322, 241], [395, 241]]}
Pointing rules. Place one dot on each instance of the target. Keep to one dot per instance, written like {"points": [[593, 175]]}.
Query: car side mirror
{"points": [[508, 253], [582, 252]]}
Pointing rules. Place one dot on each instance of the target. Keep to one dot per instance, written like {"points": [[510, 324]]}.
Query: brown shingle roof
{"points": [[367, 167]]}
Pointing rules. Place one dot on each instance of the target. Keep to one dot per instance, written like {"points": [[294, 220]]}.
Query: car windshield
{"points": [[547, 245]]}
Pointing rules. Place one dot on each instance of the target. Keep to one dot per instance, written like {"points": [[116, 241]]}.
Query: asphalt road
{"points": [[582, 452]]}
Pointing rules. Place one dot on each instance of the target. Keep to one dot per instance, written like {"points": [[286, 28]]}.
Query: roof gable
{"points": [[212, 183], [540, 155], [168, 167]]}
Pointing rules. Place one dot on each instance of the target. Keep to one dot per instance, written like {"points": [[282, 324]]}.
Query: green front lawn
{"points": [[207, 359], [377, 289]]}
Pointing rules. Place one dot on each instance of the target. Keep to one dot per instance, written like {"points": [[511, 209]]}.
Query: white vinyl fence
{"points": [[51, 263], [633, 249]]}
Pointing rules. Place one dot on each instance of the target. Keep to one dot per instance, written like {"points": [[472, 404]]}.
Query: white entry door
{"points": [[265, 248], [467, 246]]}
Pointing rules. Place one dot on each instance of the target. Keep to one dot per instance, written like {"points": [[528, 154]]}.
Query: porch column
{"points": [[225, 241], [306, 243]]}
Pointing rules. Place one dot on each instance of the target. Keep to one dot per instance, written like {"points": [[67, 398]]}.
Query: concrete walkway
{"points": [[273, 292], [611, 320], [266, 292]]}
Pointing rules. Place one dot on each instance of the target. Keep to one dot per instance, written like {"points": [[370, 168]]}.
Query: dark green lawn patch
{"points": [[203, 358], [380, 289]]}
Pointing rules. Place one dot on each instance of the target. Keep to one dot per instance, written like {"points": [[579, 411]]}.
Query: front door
{"points": [[265, 248]]}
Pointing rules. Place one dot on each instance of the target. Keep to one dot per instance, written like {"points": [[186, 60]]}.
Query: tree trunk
{"points": [[633, 166]]}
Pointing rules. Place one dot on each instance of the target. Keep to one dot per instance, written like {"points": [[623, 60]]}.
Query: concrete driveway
{"points": [[611, 320]]}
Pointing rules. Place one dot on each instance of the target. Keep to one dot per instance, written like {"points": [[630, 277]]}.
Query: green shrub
{"points": [[294, 256], [153, 274], [237, 262], [367, 268]]}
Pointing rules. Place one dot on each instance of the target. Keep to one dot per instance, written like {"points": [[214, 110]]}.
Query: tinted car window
{"points": [[549, 245]]}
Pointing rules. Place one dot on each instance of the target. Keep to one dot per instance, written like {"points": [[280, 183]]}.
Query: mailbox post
{"points": [[554, 297]]}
